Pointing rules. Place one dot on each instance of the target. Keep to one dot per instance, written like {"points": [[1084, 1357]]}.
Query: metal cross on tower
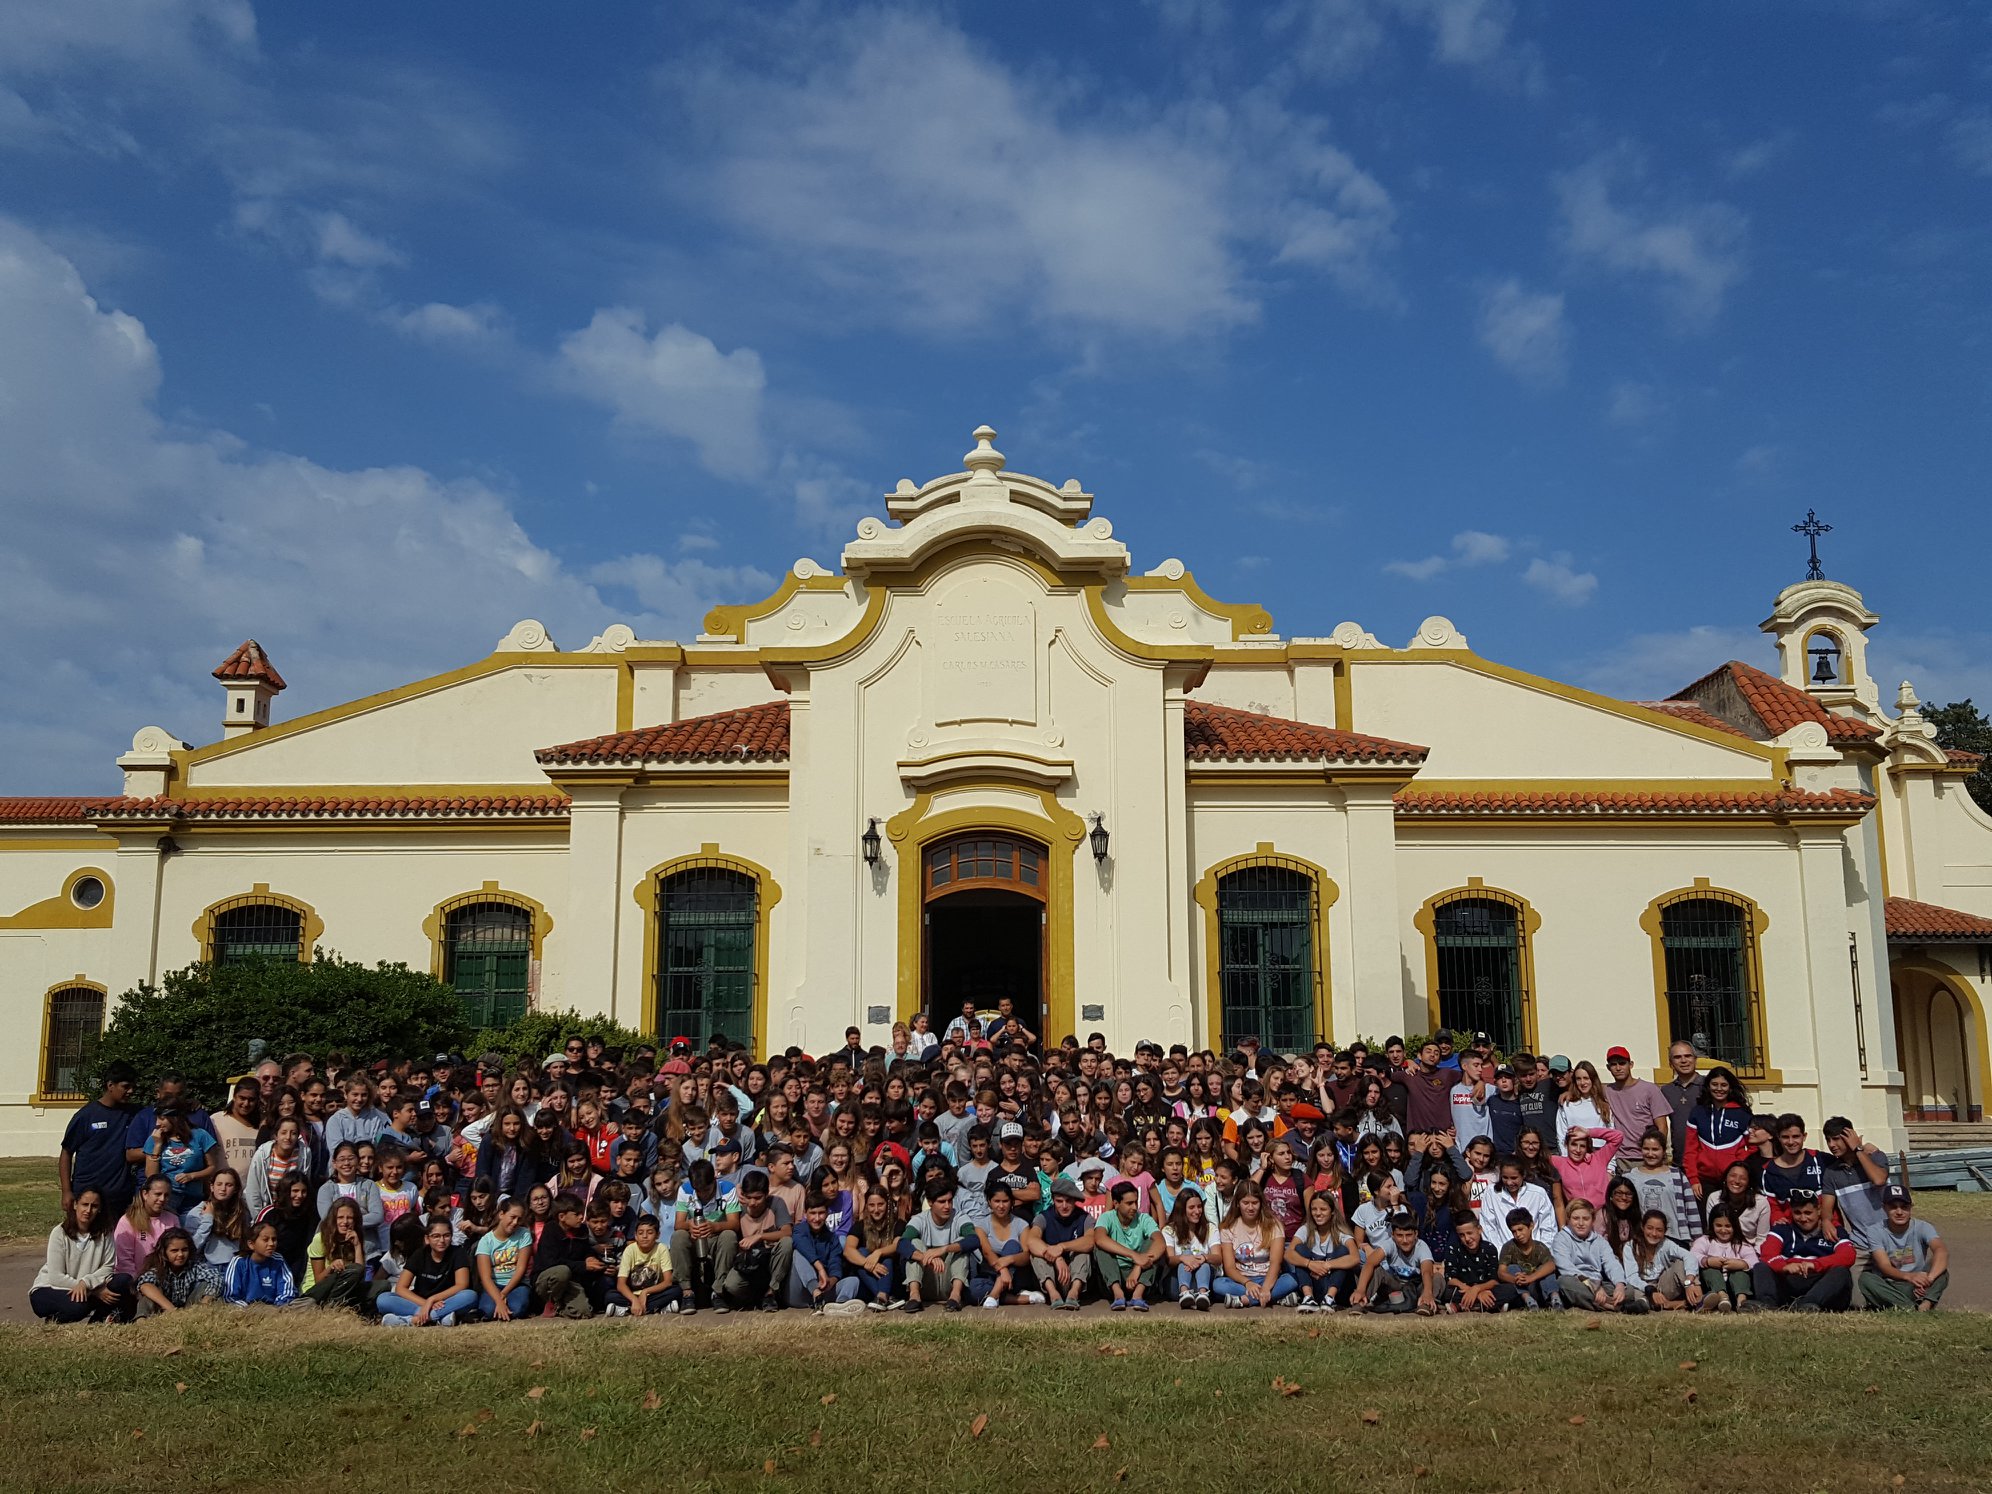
{"points": [[1812, 528]]}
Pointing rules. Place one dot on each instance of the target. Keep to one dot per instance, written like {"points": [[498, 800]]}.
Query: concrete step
{"points": [[1947, 1136]]}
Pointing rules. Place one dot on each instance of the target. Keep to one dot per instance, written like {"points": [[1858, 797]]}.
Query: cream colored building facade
{"points": [[988, 756]]}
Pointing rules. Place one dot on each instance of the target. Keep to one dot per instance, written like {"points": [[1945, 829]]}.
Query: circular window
{"points": [[87, 892]]}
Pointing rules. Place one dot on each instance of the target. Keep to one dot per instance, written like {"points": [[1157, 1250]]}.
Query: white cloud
{"points": [[1558, 579], [905, 166], [1759, 155], [1339, 38], [1970, 141], [1633, 404], [1692, 251], [1524, 330], [692, 540], [441, 323], [138, 552], [1653, 666], [676, 383], [1470, 548]]}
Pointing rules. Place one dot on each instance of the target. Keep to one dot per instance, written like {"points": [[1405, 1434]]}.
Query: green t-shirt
{"points": [[1133, 1236]]}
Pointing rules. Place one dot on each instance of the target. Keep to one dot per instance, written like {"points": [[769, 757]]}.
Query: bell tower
{"points": [[1820, 627]]}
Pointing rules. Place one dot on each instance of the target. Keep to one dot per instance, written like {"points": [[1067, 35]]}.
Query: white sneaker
{"points": [[1234, 1301], [447, 1320], [851, 1309], [616, 1310], [991, 1301], [671, 1306], [1324, 1307], [396, 1320], [1306, 1304], [1031, 1299]]}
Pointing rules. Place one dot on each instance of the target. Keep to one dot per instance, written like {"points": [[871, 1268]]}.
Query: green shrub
{"points": [[540, 1033], [200, 1021]]}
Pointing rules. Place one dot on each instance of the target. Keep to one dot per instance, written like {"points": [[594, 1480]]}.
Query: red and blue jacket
{"points": [[1786, 1243], [1718, 1137]]}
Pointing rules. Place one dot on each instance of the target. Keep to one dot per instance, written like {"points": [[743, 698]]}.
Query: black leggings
{"points": [[55, 1305]]}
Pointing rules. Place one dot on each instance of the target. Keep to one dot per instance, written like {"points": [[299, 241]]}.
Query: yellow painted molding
{"points": [[1467, 659], [390, 792], [768, 892], [493, 664], [1650, 920], [1327, 894], [59, 843], [259, 895], [1059, 830], [1247, 619], [43, 1095], [1527, 923], [626, 696], [731, 621], [62, 911], [438, 921]]}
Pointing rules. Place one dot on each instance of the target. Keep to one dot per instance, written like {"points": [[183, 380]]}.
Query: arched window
{"points": [[1710, 974], [708, 923], [71, 1024], [1822, 661], [1479, 965], [252, 929], [1268, 962], [488, 958]]}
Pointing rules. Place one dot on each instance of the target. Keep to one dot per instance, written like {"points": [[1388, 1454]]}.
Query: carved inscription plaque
{"points": [[981, 655]]}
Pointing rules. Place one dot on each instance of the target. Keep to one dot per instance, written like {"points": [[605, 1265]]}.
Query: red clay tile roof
{"points": [[280, 807], [1214, 732], [1962, 758], [1576, 804], [1779, 706], [756, 734], [1927, 923], [249, 662], [1687, 710], [49, 811]]}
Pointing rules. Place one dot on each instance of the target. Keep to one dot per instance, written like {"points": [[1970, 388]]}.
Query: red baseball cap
{"points": [[1614, 1053]]}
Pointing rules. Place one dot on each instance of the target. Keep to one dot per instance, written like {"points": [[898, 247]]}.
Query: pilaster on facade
{"points": [[584, 970]]}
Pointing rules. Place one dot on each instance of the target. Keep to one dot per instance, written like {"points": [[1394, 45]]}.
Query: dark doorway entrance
{"points": [[983, 927]]}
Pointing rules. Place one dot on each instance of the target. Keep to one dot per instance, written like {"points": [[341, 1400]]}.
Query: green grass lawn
{"points": [[28, 1200], [217, 1400]]}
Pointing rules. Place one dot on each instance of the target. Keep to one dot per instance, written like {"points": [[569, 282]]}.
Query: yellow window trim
{"points": [[259, 894], [1527, 922], [768, 892], [438, 920], [61, 911], [1058, 829], [1327, 894], [1760, 1072], [43, 1096]]}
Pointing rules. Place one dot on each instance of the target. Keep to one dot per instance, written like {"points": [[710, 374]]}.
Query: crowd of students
{"points": [[973, 1169]]}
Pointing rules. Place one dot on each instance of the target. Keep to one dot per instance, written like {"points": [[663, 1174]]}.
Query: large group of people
{"points": [[975, 1168]]}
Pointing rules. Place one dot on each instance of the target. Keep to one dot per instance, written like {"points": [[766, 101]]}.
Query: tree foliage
{"points": [[201, 1021], [537, 1034], [1963, 726]]}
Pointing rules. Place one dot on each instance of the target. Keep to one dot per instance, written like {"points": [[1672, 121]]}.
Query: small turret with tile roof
{"points": [[252, 683]]}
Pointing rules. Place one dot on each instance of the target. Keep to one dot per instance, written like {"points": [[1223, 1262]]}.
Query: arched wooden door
{"points": [[983, 926]]}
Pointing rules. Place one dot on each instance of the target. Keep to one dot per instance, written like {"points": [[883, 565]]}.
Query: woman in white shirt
{"points": [[1587, 1105], [75, 1282], [1190, 1236]]}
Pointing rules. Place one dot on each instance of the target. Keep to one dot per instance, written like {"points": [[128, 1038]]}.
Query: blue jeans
{"points": [[404, 1307], [1192, 1278], [1285, 1286], [871, 1284], [1332, 1286], [801, 1287], [982, 1276], [515, 1298]]}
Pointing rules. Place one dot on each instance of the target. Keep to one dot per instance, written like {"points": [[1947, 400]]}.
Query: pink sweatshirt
{"points": [[1704, 1247], [1589, 1179]]}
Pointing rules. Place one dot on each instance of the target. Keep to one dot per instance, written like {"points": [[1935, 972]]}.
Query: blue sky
{"points": [[368, 330]]}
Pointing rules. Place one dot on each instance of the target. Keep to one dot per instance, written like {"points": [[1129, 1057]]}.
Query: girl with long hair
{"points": [[1659, 1269], [220, 1224], [1253, 1251], [1587, 1103], [280, 1157], [1723, 1262], [336, 1262], [1190, 1236], [1718, 1130], [295, 1214], [1619, 1224], [872, 1247], [148, 1218], [503, 1261], [1324, 1256], [1739, 1194], [1283, 1187], [175, 1276], [78, 1279]]}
